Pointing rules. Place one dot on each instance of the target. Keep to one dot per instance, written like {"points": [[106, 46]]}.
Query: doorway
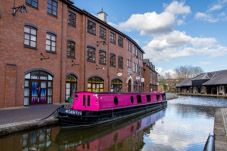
{"points": [[129, 85]]}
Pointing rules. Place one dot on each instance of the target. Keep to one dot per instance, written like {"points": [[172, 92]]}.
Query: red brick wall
{"points": [[12, 51]]}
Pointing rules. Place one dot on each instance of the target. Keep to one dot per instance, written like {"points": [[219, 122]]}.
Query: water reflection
{"points": [[184, 125]]}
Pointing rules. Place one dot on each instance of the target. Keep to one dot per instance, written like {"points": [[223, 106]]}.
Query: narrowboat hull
{"points": [[81, 118]]}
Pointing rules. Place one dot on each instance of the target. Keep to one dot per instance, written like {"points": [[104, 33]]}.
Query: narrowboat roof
{"points": [[154, 92]]}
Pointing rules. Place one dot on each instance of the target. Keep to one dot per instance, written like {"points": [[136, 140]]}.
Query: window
{"points": [[133, 50], [38, 88], [70, 88], [52, 7], [71, 49], [129, 46], [72, 19], [95, 84], [120, 41], [139, 100], [116, 85], [134, 66], [148, 98], [91, 27], [33, 3], [120, 62], [129, 63], [102, 32], [112, 37], [30, 35], [90, 54], [112, 60], [102, 57], [51, 43]]}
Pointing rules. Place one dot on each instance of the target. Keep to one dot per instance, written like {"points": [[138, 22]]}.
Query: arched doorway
{"points": [[38, 88], [129, 85], [116, 85], [95, 84], [71, 87]]}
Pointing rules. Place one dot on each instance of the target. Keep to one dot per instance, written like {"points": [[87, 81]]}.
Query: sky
{"points": [[172, 33]]}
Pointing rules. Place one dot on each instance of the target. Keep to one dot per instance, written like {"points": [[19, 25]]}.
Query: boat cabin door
{"points": [[86, 101]]}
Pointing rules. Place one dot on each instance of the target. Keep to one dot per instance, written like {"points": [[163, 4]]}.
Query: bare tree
{"points": [[185, 72]]}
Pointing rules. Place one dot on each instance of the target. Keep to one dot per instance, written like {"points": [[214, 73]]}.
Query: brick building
{"points": [[150, 76], [56, 49]]}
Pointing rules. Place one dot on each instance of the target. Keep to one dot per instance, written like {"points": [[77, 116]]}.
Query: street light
{"points": [[22, 9]]}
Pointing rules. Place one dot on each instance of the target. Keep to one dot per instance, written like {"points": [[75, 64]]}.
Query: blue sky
{"points": [[172, 33]]}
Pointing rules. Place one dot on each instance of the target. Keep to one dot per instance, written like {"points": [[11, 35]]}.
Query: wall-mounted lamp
{"points": [[22, 9], [74, 64], [97, 67], [99, 42], [43, 57]]}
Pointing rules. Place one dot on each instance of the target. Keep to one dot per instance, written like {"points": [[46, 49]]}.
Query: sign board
{"points": [[119, 74], [137, 77], [142, 79]]}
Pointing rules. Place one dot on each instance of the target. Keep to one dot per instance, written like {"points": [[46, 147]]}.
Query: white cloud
{"points": [[177, 8], [149, 23], [213, 13], [215, 7], [167, 43], [163, 72], [206, 17], [180, 22]]}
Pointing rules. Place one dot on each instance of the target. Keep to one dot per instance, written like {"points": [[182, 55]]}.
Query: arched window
{"points": [[95, 84], [38, 88], [116, 85], [71, 87]]}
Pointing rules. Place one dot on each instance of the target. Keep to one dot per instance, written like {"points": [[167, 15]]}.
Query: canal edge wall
{"points": [[7, 129], [220, 130]]}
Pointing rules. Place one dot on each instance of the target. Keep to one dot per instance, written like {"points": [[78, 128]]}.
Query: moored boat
{"points": [[90, 108]]}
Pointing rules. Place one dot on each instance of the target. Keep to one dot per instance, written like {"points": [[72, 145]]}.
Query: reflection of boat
{"points": [[107, 135], [98, 108]]}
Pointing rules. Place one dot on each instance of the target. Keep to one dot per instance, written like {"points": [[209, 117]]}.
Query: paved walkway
{"points": [[21, 114], [220, 130]]}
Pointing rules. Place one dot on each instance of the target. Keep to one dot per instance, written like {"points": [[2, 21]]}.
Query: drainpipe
{"points": [[85, 50], [61, 64], [108, 64]]}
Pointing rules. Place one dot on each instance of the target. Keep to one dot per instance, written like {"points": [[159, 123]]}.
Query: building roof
{"points": [[186, 82], [208, 78]]}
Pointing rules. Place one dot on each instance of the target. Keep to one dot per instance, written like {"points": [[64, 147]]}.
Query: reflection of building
{"points": [[56, 49], [214, 83], [120, 135], [150, 76]]}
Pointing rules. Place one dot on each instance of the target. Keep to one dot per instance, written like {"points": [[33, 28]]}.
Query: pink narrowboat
{"points": [[90, 108]]}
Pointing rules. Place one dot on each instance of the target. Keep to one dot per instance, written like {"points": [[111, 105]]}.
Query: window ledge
{"points": [[29, 47]]}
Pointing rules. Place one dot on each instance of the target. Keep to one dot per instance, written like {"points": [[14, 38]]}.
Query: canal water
{"points": [[183, 125]]}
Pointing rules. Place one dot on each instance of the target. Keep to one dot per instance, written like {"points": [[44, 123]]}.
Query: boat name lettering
{"points": [[73, 112]]}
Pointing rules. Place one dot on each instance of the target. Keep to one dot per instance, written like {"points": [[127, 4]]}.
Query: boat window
{"points": [[164, 96], [115, 100], [76, 96], [148, 98], [84, 99], [139, 99], [158, 97], [88, 100], [132, 99]]}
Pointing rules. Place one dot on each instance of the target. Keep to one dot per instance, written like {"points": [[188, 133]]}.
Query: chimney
{"points": [[102, 15]]}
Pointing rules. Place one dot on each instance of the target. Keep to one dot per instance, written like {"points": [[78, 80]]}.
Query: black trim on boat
{"points": [[77, 118]]}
